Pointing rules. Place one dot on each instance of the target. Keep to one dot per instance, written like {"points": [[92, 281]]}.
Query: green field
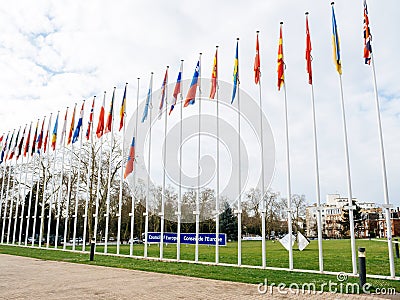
{"points": [[337, 257]]}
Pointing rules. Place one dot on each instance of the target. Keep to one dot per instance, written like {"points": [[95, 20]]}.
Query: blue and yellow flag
{"points": [[235, 72], [336, 43]]}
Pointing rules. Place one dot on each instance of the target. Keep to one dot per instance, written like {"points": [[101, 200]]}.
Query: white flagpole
{"points": [[217, 188], [109, 179], [53, 193], [146, 225], [2, 190], [18, 201], [96, 215], [317, 185], [197, 212], [289, 188], [12, 196], [263, 206], [387, 205], [239, 208], [178, 242], [69, 192], [60, 191], [88, 179], [28, 217], [164, 169], [78, 181], [350, 199], [132, 213], [39, 159], [44, 190], [121, 181], [24, 194], [6, 202]]}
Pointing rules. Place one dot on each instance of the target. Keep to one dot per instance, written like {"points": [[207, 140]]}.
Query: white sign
{"points": [[302, 241], [285, 241]]}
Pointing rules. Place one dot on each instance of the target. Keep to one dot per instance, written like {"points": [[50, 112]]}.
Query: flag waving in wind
{"points": [[34, 138], [79, 125], [100, 125], [40, 137], [235, 71], [11, 155], [214, 75], [122, 111], [54, 135], [131, 159], [177, 89], [148, 100], [281, 62], [4, 149], [64, 129], [257, 72], [21, 144], [191, 95], [26, 148], [71, 128], [308, 52], [163, 89], [90, 122], [336, 43], [367, 36], [108, 127], [47, 135]]}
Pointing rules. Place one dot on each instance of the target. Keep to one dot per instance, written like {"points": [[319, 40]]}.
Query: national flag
{"points": [[336, 43], [367, 36], [177, 89], [163, 89], [1, 142], [34, 138], [308, 51], [78, 125], [54, 135], [148, 100], [26, 148], [21, 144], [191, 95], [281, 62], [39, 140], [90, 122], [131, 159], [71, 128], [11, 155], [47, 136], [64, 129], [109, 122], [122, 111], [235, 72], [257, 72], [214, 76], [3, 151], [100, 125]]}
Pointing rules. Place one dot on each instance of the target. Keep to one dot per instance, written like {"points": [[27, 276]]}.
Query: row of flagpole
{"points": [[190, 99]]}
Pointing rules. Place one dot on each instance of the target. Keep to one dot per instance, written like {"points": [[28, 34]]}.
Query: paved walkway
{"points": [[28, 278]]}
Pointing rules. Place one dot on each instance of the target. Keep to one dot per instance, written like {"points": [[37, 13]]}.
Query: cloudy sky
{"points": [[56, 53]]}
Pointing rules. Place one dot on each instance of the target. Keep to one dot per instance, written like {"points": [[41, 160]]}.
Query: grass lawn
{"points": [[337, 257]]}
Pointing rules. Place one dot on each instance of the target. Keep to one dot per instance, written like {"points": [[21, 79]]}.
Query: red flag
{"points": [[131, 159], [257, 72], [71, 128], [40, 137], [26, 148], [90, 123], [100, 125], [308, 51], [34, 138], [281, 63], [108, 127], [214, 76], [47, 136]]}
